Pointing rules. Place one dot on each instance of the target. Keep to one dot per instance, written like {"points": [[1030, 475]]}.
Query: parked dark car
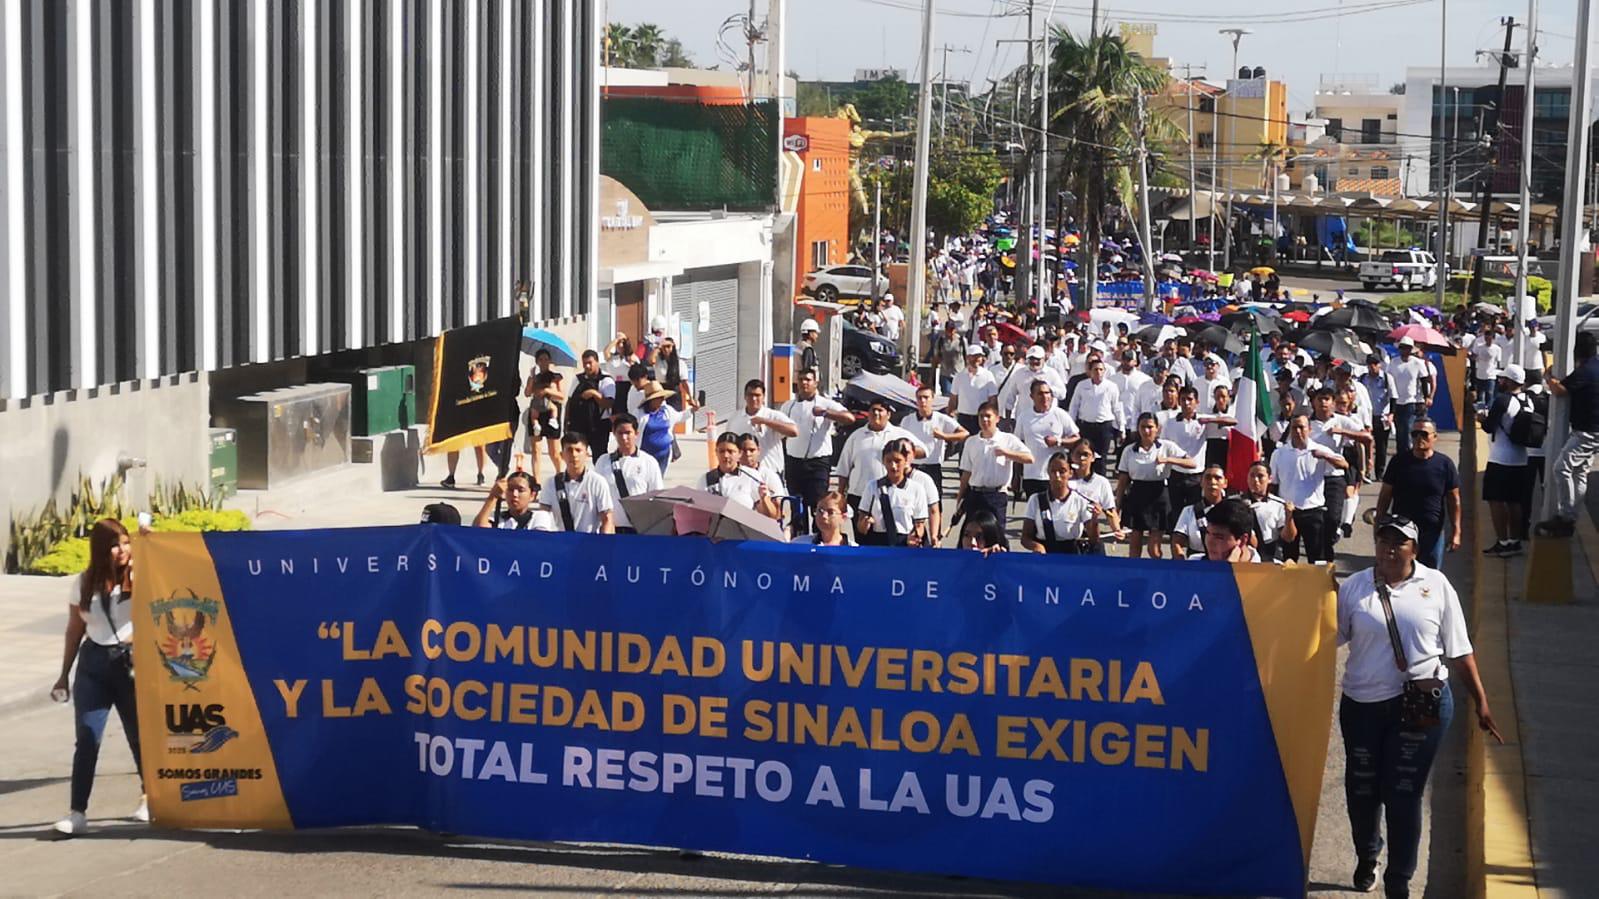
{"points": [[868, 352]]}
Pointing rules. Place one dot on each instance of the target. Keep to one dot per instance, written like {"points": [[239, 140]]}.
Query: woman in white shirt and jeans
{"points": [[1401, 621], [98, 637]]}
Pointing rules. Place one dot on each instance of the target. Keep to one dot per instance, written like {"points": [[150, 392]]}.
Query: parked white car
{"points": [[835, 281], [1401, 269]]}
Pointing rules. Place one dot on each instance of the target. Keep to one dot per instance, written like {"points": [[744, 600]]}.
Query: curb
{"points": [[1499, 858]]}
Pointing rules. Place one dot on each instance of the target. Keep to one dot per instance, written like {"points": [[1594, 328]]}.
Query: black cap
{"points": [[441, 513]]}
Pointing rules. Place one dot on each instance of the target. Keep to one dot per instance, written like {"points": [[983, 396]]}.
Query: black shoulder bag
{"points": [[1423, 696], [561, 480], [121, 654], [616, 472]]}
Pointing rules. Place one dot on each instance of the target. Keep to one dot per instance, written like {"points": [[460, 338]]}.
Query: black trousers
{"points": [[1101, 435], [1332, 491], [992, 500], [1309, 522], [807, 479], [936, 472]]}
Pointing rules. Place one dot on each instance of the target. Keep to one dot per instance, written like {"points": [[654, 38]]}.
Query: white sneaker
{"points": [[142, 813], [72, 825]]}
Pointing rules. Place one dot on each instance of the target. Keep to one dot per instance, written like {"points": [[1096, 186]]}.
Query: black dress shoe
{"points": [[1365, 875]]}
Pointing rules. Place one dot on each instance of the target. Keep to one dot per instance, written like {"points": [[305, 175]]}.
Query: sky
{"points": [[829, 39]]}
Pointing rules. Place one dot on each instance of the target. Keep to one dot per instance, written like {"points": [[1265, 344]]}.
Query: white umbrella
{"points": [[1112, 315]]}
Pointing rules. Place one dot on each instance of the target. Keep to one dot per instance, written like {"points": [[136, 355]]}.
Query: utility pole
{"points": [[1143, 211], [1524, 214], [1441, 260], [776, 47], [943, 80], [1043, 166], [1215, 140], [1237, 34], [1193, 192], [1573, 237], [916, 279], [877, 236], [1490, 129], [1023, 279]]}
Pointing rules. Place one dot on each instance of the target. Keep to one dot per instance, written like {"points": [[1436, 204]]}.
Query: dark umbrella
{"points": [[1221, 338], [1239, 321], [1358, 316], [1338, 344]]}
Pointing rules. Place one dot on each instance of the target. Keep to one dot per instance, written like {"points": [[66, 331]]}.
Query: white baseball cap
{"points": [[1036, 352], [975, 349], [1514, 373]]}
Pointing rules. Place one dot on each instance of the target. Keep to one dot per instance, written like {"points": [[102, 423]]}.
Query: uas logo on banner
{"points": [[1103, 722]]}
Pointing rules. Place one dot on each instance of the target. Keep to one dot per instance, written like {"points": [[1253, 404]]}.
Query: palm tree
{"points": [[618, 45], [648, 41], [1095, 86]]}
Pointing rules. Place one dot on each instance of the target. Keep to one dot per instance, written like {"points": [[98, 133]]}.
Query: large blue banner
{"points": [[1139, 725]]}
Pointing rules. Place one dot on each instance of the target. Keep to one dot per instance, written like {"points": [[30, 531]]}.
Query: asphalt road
{"points": [[132, 859]]}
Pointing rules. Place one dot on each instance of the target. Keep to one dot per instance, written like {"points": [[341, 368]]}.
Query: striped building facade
{"points": [[196, 185]]}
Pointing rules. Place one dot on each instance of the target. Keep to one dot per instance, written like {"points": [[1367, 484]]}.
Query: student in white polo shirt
{"points": [[933, 430], [861, 460], [742, 485], [1046, 428], [1059, 519], [578, 497], [510, 506], [892, 511], [769, 426], [1412, 382], [629, 471], [808, 455], [1299, 467], [972, 388], [1017, 394], [1229, 534], [1188, 537], [1099, 490], [1141, 485], [1274, 516], [987, 463]]}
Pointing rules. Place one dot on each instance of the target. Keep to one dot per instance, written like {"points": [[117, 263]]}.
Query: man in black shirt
{"points": [[1423, 485], [1570, 482]]}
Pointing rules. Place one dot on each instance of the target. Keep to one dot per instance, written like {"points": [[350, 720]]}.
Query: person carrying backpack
{"points": [[1505, 481]]}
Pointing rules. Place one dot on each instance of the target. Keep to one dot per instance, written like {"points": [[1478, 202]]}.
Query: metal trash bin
{"points": [[287, 433]]}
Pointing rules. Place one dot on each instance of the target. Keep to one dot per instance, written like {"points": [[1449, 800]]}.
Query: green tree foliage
{"points": [[642, 46], [888, 100], [960, 190]]}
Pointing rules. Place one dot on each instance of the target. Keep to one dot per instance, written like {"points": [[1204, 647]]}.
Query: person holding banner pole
{"points": [[578, 496], [509, 506], [1407, 640], [1229, 533]]}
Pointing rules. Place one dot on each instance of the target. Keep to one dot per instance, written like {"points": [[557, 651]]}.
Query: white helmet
{"points": [[658, 323], [809, 326]]}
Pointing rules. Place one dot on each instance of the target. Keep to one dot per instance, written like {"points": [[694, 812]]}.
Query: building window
{"points": [[1204, 139], [1354, 172], [816, 164], [1207, 104], [1379, 172], [1371, 131], [818, 254], [1335, 129]]}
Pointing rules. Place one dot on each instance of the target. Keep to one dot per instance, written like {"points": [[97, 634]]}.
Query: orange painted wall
{"points": [[823, 212]]}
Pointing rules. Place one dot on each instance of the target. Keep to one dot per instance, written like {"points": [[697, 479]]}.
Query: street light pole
{"points": [[1440, 262], [1215, 135], [1573, 238], [916, 278], [1524, 214], [1043, 163], [1237, 34]]}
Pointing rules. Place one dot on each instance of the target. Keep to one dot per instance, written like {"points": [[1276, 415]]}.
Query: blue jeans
{"points": [[1430, 546], [102, 683], [1485, 391], [1386, 768], [1404, 417]]}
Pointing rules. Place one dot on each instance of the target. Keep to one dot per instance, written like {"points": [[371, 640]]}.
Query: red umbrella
{"points": [[1298, 315], [1422, 335], [1187, 320], [1010, 334]]}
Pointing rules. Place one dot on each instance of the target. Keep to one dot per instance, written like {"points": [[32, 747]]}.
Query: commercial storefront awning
{"points": [[639, 271]]}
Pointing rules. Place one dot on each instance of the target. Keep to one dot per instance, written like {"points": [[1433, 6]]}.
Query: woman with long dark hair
{"points": [[99, 631]]}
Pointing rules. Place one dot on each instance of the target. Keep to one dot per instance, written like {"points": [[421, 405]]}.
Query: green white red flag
{"points": [[1253, 411]]}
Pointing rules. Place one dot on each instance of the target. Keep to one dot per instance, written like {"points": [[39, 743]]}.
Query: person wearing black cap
{"points": [[441, 513], [1407, 640]]}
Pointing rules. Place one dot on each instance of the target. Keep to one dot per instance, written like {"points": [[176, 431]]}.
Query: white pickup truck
{"points": [[1401, 269]]}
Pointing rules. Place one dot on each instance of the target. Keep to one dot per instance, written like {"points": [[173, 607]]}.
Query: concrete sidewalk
{"points": [[1536, 795]]}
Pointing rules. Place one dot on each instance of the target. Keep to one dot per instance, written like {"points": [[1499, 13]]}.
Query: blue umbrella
{"points": [[535, 339], [1153, 318]]}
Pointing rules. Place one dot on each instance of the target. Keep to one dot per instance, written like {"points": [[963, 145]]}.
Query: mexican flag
{"points": [[1253, 411]]}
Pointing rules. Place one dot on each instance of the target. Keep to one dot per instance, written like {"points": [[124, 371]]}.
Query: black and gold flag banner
{"points": [[475, 381]]}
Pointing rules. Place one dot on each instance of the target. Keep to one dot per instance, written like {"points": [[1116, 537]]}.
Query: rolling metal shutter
{"points": [[715, 363]]}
